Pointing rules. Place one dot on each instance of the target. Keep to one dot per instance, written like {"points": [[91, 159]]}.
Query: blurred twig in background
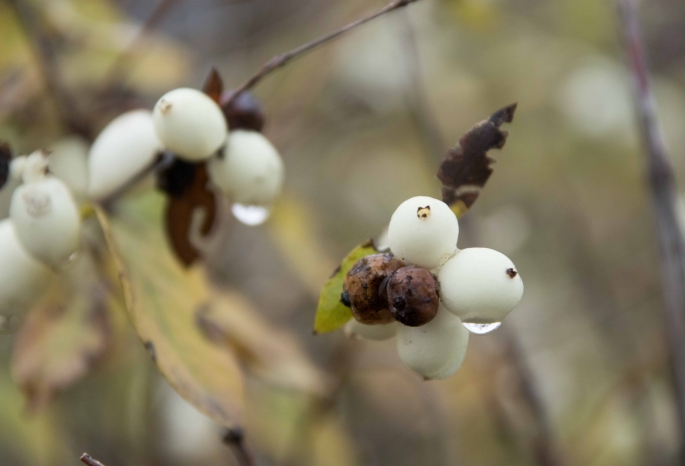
{"points": [[118, 67], [665, 202], [43, 47], [283, 59], [235, 439]]}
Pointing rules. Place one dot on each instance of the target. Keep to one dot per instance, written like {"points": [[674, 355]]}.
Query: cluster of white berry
{"points": [[427, 292], [42, 233], [242, 163]]}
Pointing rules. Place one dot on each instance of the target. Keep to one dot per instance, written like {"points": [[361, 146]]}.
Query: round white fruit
{"points": [[435, 350], [480, 285], [47, 220], [423, 231], [251, 170], [355, 330], [22, 278], [68, 161], [189, 124], [123, 149]]}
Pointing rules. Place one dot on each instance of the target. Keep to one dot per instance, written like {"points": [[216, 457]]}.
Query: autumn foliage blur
{"points": [[579, 374]]}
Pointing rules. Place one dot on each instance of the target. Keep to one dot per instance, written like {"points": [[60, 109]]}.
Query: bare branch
{"points": [[43, 48], [664, 199], [283, 59], [87, 459], [117, 68], [235, 439]]}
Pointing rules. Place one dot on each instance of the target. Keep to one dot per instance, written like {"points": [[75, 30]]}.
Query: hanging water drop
{"points": [[480, 328], [251, 215]]}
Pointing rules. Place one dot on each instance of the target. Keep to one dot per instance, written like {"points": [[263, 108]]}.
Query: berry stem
{"points": [[279, 61], [662, 185]]}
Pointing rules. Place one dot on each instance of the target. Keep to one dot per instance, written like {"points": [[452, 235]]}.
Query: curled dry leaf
{"points": [[64, 336], [271, 354], [214, 85], [466, 168], [162, 299], [186, 184], [331, 313]]}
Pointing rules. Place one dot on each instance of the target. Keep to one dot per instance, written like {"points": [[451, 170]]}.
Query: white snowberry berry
{"points": [[189, 124], [423, 231], [435, 350], [250, 171], [480, 285], [356, 330], [68, 161], [123, 149], [22, 278], [46, 219]]}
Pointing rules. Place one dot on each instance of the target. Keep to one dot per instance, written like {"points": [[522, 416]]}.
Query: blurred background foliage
{"points": [[578, 375]]}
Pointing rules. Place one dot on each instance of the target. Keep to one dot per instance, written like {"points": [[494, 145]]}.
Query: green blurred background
{"points": [[577, 375]]}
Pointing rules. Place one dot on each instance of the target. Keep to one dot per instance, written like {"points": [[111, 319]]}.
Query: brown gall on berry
{"points": [[424, 212], [413, 296], [365, 288], [243, 113]]}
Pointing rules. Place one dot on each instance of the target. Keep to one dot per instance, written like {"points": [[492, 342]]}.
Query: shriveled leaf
{"points": [[214, 85], [271, 354], [186, 184], [466, 168], [63, 337], [331, 313], [162, 299]]}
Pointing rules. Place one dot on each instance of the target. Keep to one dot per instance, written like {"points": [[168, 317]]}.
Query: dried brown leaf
{"points": [[214, 85], [63, 337], [5, 159], [186, 183], [466, 168]]}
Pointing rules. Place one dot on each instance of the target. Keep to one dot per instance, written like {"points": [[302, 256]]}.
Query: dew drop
{"points": [[481, 329], [251, 215]]}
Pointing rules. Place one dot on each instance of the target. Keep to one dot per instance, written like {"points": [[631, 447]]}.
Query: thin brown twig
{"points": [[544, 444], [43, 48], [283, 59], [235, 439], [87, 459], [665, 203], [417, 99], [116, 69]]}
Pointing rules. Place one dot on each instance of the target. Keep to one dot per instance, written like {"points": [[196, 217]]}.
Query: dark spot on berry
{"points": [[345, 298], [512, 272]]}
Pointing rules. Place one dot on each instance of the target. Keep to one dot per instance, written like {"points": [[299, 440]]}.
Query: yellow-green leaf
{"points": [[331, 314], [162, 298]]}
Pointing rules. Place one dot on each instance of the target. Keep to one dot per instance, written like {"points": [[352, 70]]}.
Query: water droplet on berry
{"points": [[251, 215], [480, 328]]}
